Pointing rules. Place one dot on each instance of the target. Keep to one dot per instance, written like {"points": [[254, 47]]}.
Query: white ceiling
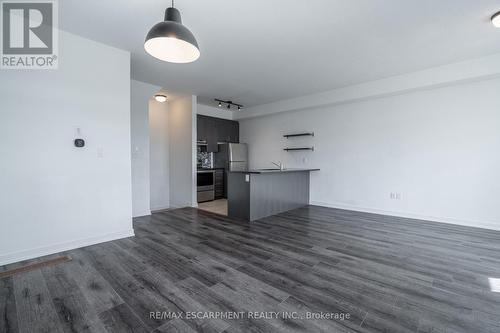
{"points": [[260, 51]]}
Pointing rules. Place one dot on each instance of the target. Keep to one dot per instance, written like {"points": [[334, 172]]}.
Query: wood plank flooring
{"points": [[388, 274]]}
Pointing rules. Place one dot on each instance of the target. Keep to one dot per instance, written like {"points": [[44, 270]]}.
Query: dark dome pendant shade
{"points": [[171, 41]]}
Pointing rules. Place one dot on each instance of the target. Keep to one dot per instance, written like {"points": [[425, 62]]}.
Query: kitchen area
{"points": [[218, 152], [227, 186]]}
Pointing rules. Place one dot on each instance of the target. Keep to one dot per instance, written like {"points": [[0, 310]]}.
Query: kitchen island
{"points": [[254, 194]]}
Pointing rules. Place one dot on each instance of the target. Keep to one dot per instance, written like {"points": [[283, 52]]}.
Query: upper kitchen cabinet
{"points": [[212, 137], [233, 131], [201, 130], [215, 130], [228, 131]]}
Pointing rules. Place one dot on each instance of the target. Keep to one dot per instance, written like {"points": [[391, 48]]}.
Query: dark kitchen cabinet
{"points": [[228, 131], [222, 131], [215, 130], [219, 183], [212, 139], [201, 129], [234, 132]]}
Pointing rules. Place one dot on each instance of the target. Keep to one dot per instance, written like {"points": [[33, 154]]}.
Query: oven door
{"points": [[205, 180]]}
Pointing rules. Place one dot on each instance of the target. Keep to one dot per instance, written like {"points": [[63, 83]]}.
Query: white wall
{"points": [[159, 155], [194, 137], [154, 139], [54, 196], [439, 148], [182, 140], [141, 94], [462, 72], [210, 111]]}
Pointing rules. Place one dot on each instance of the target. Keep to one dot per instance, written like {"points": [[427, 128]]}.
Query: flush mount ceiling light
{"points": [[161, 98], [495, 19], [171, 41]]}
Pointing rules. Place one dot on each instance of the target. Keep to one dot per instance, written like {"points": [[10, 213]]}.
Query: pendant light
{"points": [[495, 19], [171, 41]]}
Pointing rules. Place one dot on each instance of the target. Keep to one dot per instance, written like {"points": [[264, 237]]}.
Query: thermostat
{"points": [[79, 143]]}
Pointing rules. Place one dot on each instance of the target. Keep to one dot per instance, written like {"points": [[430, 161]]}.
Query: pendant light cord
{"points": [[172, 3]]}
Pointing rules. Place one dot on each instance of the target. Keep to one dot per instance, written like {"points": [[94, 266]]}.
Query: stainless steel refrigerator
{"points": [[231, 157], [238, 156]]}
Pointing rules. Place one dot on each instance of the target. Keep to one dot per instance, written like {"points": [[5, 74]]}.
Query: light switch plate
{"points": [[247, 178]]}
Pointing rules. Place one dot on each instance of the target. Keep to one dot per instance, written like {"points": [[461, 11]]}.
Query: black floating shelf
{"points": [[299, 148], [298, 134]]}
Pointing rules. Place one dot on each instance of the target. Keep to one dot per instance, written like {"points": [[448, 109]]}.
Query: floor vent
{"points": [[31, 267]]}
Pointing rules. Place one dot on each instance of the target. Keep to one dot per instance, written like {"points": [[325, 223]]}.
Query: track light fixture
{"points": [[229, 104]]}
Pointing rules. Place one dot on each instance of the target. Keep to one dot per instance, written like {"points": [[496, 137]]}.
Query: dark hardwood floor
{"points": [[388, 274]]}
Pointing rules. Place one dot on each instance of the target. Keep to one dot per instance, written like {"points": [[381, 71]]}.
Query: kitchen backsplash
{"points": [[204, 160]]}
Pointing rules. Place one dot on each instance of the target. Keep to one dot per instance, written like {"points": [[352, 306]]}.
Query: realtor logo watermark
{"points": [[29, 34]]}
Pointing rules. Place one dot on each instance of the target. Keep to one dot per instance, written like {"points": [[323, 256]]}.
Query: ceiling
{"points": [[261, 51]]}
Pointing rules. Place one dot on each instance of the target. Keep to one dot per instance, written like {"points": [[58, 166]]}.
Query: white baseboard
{"points": [[60, 247], [160, 208], [475, 224], [144, 213], [181, 205]]}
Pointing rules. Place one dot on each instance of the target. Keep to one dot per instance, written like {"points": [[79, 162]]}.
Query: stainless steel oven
{"points": [[205, 182]]}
